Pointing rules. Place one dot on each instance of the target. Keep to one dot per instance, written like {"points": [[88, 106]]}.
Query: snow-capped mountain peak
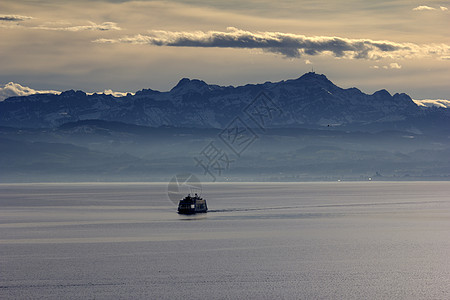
{"points": [[310, 100]]}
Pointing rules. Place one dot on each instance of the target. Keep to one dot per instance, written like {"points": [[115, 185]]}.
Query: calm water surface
{"points": [[373, 240]]}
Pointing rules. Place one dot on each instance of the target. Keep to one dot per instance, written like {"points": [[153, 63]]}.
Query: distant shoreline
{"points": [[217, 182]]}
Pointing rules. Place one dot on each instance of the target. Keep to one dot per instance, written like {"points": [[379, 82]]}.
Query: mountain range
{"points": [[311, 101], [297, 130]]}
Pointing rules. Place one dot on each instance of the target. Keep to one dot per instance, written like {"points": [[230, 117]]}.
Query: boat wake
{"points": [[253, 209], [322, 206]]}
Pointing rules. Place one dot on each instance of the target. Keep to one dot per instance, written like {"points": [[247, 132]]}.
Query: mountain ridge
{"points": [[311, 100]]}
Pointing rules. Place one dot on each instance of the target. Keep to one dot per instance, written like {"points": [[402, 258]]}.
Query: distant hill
{"points": [[311, 101], [95, 150]]}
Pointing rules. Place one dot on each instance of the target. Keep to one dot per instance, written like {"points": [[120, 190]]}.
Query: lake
{"points": [[335, 240]]}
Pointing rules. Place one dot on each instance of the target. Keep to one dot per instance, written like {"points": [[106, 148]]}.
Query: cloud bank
{"points": [[14, 18], [287, 44], [433, 103], [390, 66], [105, 26], [425, 8], [12, 89], [113, 93]]}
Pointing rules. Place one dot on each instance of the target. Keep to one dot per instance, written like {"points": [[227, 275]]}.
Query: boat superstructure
{"points": [[192, 205]]}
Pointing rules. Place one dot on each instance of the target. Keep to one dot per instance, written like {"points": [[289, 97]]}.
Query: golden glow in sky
{"points": [[403, 46]]}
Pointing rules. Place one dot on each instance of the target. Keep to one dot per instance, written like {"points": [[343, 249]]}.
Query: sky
{"points": [[55, 45]]}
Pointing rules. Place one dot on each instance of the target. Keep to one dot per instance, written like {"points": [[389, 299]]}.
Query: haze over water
{"points": [[342, 240]]}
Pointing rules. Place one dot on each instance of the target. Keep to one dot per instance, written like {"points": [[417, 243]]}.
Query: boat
{"points": [[192, 205]]}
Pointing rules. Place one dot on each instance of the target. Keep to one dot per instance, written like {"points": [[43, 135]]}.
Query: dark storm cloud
{"points": [[287, 44]]}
